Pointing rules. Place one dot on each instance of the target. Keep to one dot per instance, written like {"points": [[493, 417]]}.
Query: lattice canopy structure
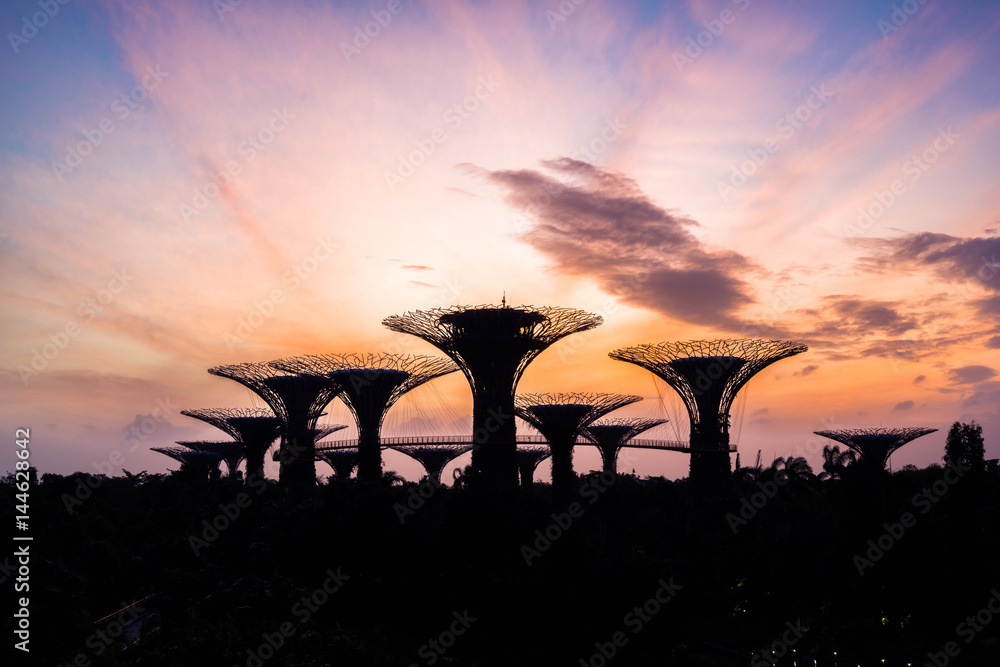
{"points": [[875, 445], [433, 457], [253, 428], [528, 458], [493, 345], [342, 460], [369, 384], [708, 374], [204, 463], [610, 435], [298, 402], [232, 451], [561, 418]]}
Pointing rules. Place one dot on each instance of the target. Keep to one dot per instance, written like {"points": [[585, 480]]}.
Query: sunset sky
{"points": [[189, 184]]}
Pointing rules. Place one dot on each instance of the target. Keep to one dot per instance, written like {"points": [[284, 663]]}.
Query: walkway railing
{"points": [[642, 443]]}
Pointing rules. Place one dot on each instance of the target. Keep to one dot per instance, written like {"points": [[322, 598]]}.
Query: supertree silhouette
{"points": [[298, 402], [562, 418], [875, 445], [232, 451], [201, 464], [433, 457], [708, 374], [493, 345], [610, 435], [369, 384], [253, 428], [528, 458], [342, 460]]}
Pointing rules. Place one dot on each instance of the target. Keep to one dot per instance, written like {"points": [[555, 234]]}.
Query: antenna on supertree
{"points": [[192, 462], [708, 374], [369, 384], [610, 435], [231, 451], [298, 402], [528, 458], [253, 428], [875, 445], [561, 418], [493, 345]]}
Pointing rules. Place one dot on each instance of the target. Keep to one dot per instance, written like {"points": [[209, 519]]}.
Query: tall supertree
{"points": [[562, 418], [369, 384], [610, 435], [493, 345], [528, 458], [231, 451], [298, 402], [253, 428], [875, 445], [201, 464], [708, 374], [433, 457]]}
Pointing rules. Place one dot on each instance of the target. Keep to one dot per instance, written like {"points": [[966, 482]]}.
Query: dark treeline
{"points": [[866, 564]]}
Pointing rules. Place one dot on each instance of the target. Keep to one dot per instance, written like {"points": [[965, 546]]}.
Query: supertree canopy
{"points": [[493, 345], [232, 451], [528, 458], [708, 374], [200, 463], [610, 435], [562, 418], [433, 457], [342, 460], [875, 445], [369, 384], [298, 402], [253, 428]]}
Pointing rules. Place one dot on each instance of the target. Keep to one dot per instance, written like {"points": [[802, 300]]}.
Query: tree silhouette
{"points": [[964, 445], [836, 461]]}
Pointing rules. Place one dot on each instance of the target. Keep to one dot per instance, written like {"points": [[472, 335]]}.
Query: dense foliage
{"points": [[779, 548]]}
